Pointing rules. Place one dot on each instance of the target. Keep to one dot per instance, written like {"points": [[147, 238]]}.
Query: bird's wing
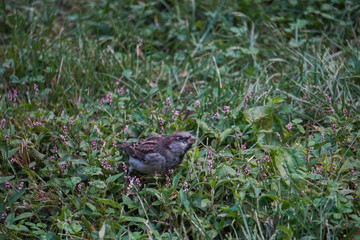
{"points": [[140, 149]]}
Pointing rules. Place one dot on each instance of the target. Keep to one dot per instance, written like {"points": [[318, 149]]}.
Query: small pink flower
{"points": [[36, 89], [279, 136], [97, 128], [21, 185], [71, 122], [226, 109], [247, 99], [124, 167], [79, 187], [65, 128], [161, 121], [197, 103], [247, 171], [109, 98], [243, 147], [119, 80], [168, 180], [94, 144], [168, 102], [126, 128], [210, 165], [7, 184], [186, 186], [328, 98], [216, 115], [63, 138], [131, 183], [176, 113], [210, 153], [103, 163], [289, 126], [311, 149], [137, 180], [10, 95], [121, 90], [36, 123], [3, 121], [332, 110], [4, 215]]}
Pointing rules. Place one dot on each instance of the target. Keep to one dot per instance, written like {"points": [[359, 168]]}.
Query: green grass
{"points": [[91, 75]]}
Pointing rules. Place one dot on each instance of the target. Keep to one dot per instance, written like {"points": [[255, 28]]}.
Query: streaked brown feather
{"points": [[139, 149]]}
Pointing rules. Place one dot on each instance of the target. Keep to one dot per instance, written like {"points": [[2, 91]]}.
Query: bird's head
{"points": [[180, 142]]}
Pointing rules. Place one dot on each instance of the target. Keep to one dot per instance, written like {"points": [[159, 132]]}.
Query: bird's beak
{"points": [[191, 140]]}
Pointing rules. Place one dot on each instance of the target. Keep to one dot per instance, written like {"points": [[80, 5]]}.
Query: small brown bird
{"points": [[158, 154]]}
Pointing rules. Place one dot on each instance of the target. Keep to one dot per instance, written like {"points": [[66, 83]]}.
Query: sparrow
{"points": [[158, 154]]}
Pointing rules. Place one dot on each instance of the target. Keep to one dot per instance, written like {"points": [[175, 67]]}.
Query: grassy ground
{"points": [[270, 88]]}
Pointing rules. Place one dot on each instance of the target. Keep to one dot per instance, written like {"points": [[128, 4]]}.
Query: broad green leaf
{"points": [[12, 152], [23, 215], [134, 219], [184, 200], [288, 160], [18, 228], [113, 178], [76, 227], [127, 73], [139, 116], [225, 134], [91, 206], [287, 231], [301, 128], [261, 116], [38, 155], [203, 125], [3, 179], [72, 182], [205, 203], [226, 170], [98, 184], [15, 197], [110, 202], [297, 120]]}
